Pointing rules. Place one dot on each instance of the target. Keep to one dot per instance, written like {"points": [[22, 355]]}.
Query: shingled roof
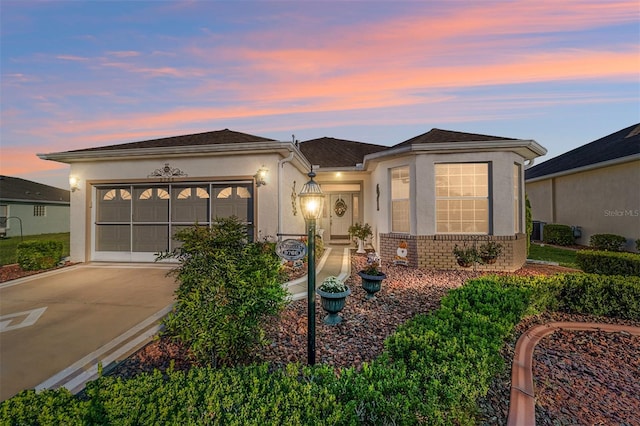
{"points": [[623, 143], [217, 137], [331, 152], [16, 189], [446, 136]]}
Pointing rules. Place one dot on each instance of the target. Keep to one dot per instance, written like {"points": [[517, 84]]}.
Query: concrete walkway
{"points": [[336, 261]]}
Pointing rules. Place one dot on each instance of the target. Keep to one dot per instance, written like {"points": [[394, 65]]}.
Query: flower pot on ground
{"points": [[372, 276], [465, 257], [333, 295], [489, 252], [360, 232]]}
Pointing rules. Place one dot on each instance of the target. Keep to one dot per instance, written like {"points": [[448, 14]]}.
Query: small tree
{"points": [[228, 289], [528, 221]]}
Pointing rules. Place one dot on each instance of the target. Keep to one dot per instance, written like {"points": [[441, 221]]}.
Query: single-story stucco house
{"points": [[32, 208], [594, 187], [428, 193]]}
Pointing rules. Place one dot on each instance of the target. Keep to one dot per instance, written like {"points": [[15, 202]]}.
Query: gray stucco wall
{"points": [[601, 201], [55, 220]]}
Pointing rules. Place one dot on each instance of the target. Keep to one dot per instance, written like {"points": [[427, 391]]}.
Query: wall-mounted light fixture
{"points": [[261, 176], [74, 183]]}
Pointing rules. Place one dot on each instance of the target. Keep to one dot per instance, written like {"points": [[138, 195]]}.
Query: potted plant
{"points": [[372, 276], [361, 232], [333, 294], [489, 252], [465, 256]]}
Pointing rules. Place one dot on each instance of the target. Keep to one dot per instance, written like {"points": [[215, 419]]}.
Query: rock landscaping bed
{"points": [[580, 377]]}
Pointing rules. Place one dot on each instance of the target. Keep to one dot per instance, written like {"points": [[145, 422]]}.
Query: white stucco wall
{"points": [[199, 168], [423, 211]]}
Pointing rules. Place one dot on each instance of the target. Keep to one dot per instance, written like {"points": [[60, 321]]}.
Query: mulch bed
{"points": [[581, 377], [14, 271]]}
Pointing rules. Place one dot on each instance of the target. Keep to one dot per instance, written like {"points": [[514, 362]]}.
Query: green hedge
{"points": [[609, 263], [433, 370], [607, 242], [561, 235], [36, 255]]}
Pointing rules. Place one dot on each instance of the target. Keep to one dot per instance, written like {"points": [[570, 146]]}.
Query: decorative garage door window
{"points": [[143, 218], [340, 207]]}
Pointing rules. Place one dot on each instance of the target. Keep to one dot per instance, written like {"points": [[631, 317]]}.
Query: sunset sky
{"points": [[80, 74]]}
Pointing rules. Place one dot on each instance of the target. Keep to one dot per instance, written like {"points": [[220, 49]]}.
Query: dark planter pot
{"points": [[333, 303], [464, 263], [489, 260], [371, 283]]}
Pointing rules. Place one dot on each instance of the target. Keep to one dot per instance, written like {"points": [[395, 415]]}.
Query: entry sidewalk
{"points": [[336, 261]]}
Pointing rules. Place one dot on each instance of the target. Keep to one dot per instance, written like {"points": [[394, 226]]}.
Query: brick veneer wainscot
{"points": [[436, 251]]}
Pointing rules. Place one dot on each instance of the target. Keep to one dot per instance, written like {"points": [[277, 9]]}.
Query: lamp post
{"points": [[311, 201]]}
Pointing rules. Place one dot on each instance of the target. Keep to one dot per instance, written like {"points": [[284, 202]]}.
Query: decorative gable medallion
{"points": [[167, 172]]}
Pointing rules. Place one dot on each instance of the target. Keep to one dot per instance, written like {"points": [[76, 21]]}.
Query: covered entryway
{"points": [[342, 209]]}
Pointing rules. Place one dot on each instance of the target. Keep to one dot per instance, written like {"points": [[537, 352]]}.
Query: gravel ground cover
{"points": [[590, 378]]}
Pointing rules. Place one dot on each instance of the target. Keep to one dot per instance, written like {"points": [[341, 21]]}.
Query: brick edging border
{"points": [[522, 402]]}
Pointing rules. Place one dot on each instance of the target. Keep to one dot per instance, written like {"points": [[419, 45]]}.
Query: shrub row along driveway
{"points": [[51, 320]]}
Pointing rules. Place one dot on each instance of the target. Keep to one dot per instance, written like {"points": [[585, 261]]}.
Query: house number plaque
{"points": [[291, 249]]}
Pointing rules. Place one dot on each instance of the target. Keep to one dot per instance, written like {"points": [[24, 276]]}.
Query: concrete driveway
{"points": [[54, 323]]}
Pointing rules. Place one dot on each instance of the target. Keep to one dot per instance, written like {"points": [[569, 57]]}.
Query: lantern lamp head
{"points": [[261, 176], [74, 183], [311, 199]]}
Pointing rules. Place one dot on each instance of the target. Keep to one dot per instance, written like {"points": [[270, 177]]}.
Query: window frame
{"points": [[406, 200], [39, 210], [488, 197], [518, 199]]}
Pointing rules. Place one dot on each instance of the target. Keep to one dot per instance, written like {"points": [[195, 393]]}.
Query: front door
{"points": [[341, 214]]}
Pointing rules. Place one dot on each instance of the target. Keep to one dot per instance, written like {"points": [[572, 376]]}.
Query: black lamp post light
{"points": [[311, 202]]}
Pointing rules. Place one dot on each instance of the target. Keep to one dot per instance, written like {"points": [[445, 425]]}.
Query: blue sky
{"points": [[78, 74]]}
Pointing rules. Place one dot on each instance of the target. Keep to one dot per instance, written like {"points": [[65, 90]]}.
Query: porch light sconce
{"points": [[74, 183], [311, 202], [261, 176]]}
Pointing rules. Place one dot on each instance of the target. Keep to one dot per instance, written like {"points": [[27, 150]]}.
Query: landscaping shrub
{"points": [[607, 242], [528, 221], [638, 244], [36, 255], [561, 235], [609, 263], [228, 288], [433, 370]]}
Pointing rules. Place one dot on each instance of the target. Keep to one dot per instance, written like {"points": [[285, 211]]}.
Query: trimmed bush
{"points": [[609, 263], [561, 235], [37, 255], [228, 289], [607, 242]]}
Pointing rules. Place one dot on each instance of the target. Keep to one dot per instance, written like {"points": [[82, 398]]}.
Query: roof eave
{"points": [[33, 201], [528, 149], [214, 149], [614, 162]]}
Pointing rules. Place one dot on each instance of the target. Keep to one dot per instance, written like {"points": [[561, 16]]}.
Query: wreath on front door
{"points": [[340, 207]]}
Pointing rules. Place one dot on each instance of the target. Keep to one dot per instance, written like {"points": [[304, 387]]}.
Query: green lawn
{"points": [[8, 246], [564, 257]]}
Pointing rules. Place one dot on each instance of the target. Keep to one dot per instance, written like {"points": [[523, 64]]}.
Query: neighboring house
{"points": [[594, 187], [32, 208], [428, 193]]}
